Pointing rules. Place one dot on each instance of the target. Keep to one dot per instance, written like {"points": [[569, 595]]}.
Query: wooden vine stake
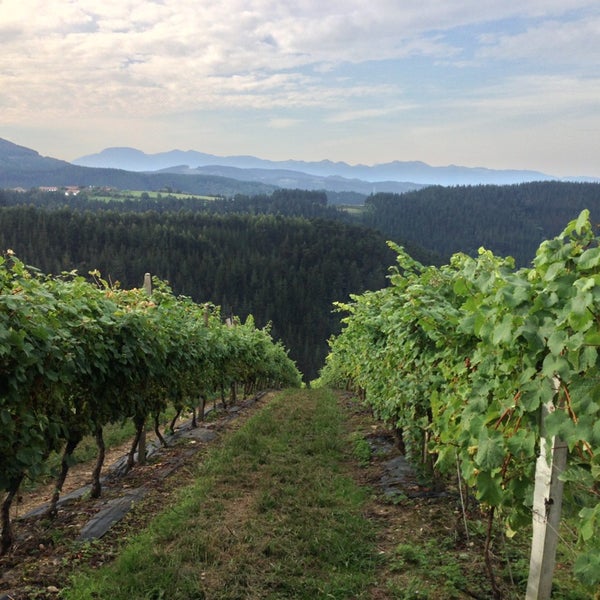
{"points": [[142, 442], [547, 504]]}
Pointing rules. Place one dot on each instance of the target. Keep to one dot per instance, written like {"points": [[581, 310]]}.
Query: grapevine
{"points": [[463, 357]]}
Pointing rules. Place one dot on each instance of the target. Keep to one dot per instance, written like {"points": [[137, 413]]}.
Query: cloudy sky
{"points": [[494, 83]]}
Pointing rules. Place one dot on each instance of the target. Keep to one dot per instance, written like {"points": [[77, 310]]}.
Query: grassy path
{"points": [[273, 513]]}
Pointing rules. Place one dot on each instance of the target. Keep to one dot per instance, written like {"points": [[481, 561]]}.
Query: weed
{"points": [[411, 554], [361, 449], [413, 590]]}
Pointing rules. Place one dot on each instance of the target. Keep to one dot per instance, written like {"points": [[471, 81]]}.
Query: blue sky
{"points": [[498, 84]]}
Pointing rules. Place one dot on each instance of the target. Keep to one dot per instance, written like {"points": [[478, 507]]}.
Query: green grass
{"points": [[352, 209], [272, 514], [361, 449], [435, 568], [137, 194]]}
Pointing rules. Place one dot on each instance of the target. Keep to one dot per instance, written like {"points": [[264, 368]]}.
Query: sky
{"points": [[492, 83]]}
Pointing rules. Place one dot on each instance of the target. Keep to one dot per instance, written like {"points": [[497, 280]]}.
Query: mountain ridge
{"points": [[406, 172], [290, 179]]}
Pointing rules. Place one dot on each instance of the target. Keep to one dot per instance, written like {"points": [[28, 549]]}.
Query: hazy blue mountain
{"points": [[408, 172], [285, 178], [131, 159], [23, 167]]}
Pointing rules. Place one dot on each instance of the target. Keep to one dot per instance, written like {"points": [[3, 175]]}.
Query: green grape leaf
{"points": [[489, 488], [503, 332], [557, 341], [490, 451], [556, 365]]}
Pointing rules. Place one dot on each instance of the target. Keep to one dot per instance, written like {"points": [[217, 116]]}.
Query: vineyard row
{"points": [[77, 354], [465, 358]]}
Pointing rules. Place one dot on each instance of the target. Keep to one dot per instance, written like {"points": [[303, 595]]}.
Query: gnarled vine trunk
{"points": [[6, 539], [96, 485], [64, 470]]}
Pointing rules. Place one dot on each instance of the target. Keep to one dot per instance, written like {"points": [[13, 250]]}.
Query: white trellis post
{"points": [[547, 504]]}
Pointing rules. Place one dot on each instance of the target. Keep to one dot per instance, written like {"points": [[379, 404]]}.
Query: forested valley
{"points": [[284, 257]]}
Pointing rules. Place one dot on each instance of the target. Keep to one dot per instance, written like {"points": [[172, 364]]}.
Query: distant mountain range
{"points": [[207, 174], [336, 175]]}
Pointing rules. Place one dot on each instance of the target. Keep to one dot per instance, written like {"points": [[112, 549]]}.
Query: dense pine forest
{"points": [[510, 220], [287, 270]]}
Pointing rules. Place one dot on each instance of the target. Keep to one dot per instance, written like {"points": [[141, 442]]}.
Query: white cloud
{"points": [[366, 114], [230, 36], [280, 123], [552, 42], [122, 61], [542, 97]]}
